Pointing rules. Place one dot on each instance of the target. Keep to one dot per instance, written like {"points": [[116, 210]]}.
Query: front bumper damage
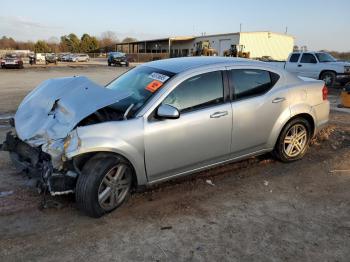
{"points": [[45, 129], [51, 175]]}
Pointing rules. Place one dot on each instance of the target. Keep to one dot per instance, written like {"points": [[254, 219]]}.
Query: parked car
{"points": [[71, 58], [158, 121], [63, 57], [67, 58], [79, 58], [318, 65], [117, 58], [11, 61], [51, 59]]}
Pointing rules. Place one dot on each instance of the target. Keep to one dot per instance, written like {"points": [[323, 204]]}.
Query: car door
{"points": [[256, 108], [308, 66], [292, 63], [199, 137]]}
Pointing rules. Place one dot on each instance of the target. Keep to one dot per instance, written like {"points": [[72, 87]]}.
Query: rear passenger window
{"points": [[308, 58], [294, 58], [197, 92], [252, 82]]}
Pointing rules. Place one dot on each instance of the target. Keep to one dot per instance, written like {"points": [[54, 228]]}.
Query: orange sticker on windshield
{"points": [[154, 86]]}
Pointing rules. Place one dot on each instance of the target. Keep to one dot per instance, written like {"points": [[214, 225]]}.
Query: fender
{"points": [[111, 137], [286, 115], [303, 108]]}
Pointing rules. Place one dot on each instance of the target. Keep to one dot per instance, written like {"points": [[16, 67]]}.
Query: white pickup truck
{"points": [[317, 65]]}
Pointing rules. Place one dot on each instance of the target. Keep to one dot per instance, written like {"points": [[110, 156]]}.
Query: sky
{"points": [[318, 24]]}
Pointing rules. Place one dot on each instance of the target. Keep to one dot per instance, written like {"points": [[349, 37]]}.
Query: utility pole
{"points": [[286, 30], [240, 27]]}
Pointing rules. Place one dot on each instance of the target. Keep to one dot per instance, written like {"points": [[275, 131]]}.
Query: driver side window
{"points": [[197, 92]]}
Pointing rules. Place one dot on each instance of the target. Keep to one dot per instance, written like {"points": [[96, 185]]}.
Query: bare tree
{"points": [[129, 39], [53, 40], [108, 38]]}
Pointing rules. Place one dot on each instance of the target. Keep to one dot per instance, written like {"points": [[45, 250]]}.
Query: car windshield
{"points": [[12, 56], [141, 82], [117, 54], [324, 57]]}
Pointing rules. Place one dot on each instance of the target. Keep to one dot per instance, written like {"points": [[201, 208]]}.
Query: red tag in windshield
{"points": [[154, 86]]}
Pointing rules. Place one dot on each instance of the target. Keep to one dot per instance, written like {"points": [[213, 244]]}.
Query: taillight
{"points": [[325, 92]]}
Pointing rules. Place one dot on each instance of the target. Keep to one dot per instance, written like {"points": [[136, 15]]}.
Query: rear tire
{"points": [[329, 78], [104, 184], [293, 141]]}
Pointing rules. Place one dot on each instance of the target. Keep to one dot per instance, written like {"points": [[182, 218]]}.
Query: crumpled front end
{"points": [[51, 173], [43, 124]]}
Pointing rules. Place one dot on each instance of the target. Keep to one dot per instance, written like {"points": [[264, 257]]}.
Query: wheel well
{"points": [[80, 160], [319, 77], [305, 116], [308, 118]]}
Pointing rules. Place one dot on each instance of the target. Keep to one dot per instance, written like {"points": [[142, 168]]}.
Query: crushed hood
{"points": [[56, 106]]}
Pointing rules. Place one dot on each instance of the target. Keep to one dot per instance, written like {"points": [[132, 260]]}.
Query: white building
{"points": [[258, 44]]}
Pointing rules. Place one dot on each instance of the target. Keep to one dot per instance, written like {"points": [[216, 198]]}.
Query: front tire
{"points": [[293, 141], [104, 185], [329, 78]]}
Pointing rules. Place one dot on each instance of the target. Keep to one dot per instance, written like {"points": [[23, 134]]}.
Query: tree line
{"points": [[67, 43]]}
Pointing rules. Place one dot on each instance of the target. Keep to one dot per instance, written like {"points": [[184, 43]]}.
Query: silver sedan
{"points": [[159, 121]]}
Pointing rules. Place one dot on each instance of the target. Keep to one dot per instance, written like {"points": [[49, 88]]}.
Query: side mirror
{"points": [[168, 112]]}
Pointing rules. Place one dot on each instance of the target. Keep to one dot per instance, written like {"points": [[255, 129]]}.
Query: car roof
{"points": [[178, 65]]}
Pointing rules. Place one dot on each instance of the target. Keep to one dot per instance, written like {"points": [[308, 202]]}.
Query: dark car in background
{"points": [[117, 58], [11, 61]]}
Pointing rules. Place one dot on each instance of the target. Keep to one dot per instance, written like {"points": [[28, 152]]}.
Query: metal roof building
{"points": [[258, 44]]}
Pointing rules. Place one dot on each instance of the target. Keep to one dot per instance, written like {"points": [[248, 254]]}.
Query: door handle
{"points": [[278, 100], [300, 65], [219, 114]]}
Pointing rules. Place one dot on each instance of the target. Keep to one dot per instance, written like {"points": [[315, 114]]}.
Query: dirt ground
{"points": [[254, 210], [16, 83]]}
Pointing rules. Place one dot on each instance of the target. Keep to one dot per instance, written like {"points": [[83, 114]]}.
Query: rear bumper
{"points": [[322, 115]]}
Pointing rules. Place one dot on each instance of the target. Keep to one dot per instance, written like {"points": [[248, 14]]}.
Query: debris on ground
{"points": [[323, 135], [47, 204], [339, 171], [6, 193], [166, 228], [266, 183], [209, 182]]}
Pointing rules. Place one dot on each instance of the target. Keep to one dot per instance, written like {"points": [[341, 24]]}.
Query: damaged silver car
{"points": [[158, 121]]}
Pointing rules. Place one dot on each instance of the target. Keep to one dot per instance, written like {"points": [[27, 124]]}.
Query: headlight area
{"points": [[71, 144], [61, 179]]}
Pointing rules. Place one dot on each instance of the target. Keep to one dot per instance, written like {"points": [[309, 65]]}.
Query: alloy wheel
{"points": [[295, 140], [114, 187]]}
